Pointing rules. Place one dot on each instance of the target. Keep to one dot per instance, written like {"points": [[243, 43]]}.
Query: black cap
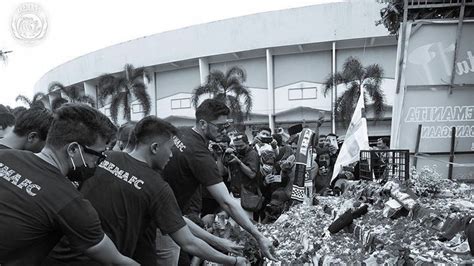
{"points": [[295, 129]]}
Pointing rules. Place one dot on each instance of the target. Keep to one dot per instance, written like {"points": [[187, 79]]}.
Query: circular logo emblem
{"points": [[29, 22]]}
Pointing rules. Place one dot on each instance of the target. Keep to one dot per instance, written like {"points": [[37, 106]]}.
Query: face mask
{"points": [[80, 173], [241, 151]]}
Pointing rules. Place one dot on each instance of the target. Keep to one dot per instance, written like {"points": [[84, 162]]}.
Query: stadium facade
{"points": [[286, 54]]}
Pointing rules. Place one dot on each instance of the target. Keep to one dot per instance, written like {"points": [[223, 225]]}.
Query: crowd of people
{"points": [[75, 190]]}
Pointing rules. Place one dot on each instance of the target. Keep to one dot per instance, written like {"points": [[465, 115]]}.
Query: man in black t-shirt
{"points": [[30, 130], [38, 205], [192, 165], [243, 166], [130, 195]]}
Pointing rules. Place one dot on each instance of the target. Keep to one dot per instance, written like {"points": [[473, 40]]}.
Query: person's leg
{"points": [[167, 250]]}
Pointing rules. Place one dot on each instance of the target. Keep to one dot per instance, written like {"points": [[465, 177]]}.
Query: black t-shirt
{"points": [[38, 206], [238, 177], [129, 196], [191, 165], [3, 147]]}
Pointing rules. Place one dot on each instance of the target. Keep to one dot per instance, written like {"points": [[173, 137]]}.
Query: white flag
{"points": [[356, 139]]}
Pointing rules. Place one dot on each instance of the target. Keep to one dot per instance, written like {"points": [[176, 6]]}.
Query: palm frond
{"points": [[378, 99], [87, 99], [106, 87], [139, 74], [236, 72], [38, 96], [242, 92], [198, 92], [352, 69], [23, 99], [374, 73], [126, 104], [139, 90], [115, 106], [58, 102], [235, 108], [216, 80], [55, 85]]}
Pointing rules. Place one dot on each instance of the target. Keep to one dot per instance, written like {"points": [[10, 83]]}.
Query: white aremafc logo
{"points": [[29, 23]]}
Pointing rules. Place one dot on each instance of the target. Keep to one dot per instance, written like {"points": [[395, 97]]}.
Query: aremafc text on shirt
{"points": [[121, 174], [179, 144], [14, 179]]}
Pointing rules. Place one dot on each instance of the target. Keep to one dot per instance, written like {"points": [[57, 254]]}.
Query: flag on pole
{"points": [[356, 139]]}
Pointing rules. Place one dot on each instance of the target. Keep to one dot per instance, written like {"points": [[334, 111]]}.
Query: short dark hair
{"points": [[6, 120], [241, 136], [321, 136], [80, 123], [34, 119], [265, 128], [211, 109], [150, 127], [17, 111], [331, 134], [125, 131]]}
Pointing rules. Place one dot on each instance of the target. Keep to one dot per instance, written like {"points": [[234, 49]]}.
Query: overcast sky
{"points": [[82, 26]]}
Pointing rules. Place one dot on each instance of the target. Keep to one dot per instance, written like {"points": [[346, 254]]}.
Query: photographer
{"points": [[264, 137], [243, 165]]}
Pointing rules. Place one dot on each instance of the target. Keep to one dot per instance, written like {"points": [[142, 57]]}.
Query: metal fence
{"points": [[377, 164]]}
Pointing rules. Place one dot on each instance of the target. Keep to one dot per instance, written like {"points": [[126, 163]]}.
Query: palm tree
{"points": [[122, 89], [73, 95], [355, 76], [228, 88], [36, 101]]}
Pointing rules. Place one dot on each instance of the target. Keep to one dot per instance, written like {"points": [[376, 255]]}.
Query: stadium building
{"points": [[286, 54]]}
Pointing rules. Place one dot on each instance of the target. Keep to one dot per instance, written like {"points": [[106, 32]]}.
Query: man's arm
{"points": [[195, 246], [234, 209], [105, 252], [219, 243], [245, 169]]}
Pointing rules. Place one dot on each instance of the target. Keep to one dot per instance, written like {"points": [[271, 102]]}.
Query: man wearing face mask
{"points": [[243, 166], [325, 169], [38, 205], [130, 195]]}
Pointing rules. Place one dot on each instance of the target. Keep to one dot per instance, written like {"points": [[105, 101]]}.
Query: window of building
{"points": [[302, 93], [137, 108], [183, 103]]}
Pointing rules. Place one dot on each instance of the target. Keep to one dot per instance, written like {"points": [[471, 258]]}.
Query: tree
{"points": [[73, 95], [355, 76], [227, 87], [121, 89], [392, 14], [36, 101]]}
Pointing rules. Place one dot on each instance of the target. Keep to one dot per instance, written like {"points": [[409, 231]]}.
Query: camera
{"points": [[266, 140], [228, 156]]}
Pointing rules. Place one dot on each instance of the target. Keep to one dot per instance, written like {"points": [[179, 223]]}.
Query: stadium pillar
{"points": [[270, 91]]}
